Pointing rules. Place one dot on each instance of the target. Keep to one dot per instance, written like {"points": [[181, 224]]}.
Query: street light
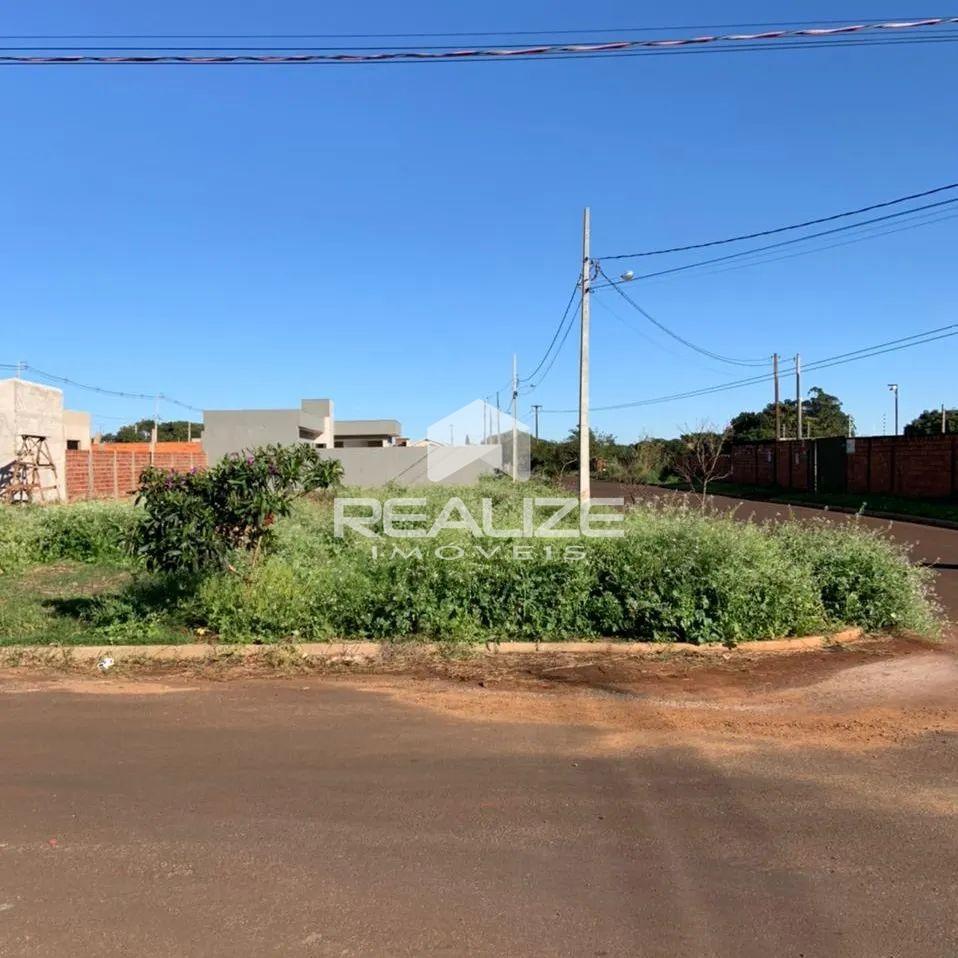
{"points": [[627, 276], [894, 388]]}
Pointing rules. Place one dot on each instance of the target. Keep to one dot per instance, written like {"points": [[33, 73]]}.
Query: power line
{"points": [[101, 389], [926, 220], [555, 355], [790, 242], [422, 57], [681, 339], [782, 229], [426, 54], [303, 48], [413, 34], [894, 345], [555, 336]]}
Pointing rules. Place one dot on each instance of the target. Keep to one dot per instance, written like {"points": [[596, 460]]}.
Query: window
{"points": [[73, 444]]}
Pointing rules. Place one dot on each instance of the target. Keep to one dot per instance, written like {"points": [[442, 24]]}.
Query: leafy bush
{"points": [[862, 576], [193, 522]]}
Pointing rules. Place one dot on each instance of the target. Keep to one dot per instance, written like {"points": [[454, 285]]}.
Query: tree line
{"points": [[656, 460], [174, 430]]}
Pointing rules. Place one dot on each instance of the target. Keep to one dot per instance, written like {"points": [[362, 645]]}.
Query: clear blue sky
{"points": [[388, 236]]}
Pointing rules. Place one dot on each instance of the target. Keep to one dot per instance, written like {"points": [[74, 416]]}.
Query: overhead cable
{"points": [[619, 46]]}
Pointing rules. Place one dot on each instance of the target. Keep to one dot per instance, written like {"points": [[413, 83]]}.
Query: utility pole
{"points": [[798, 392], [515, 421], [189, 429], [894, 388], [498, 421], [537, 406], [778, 407], [585, 488], [156, 429], [944, 422]]}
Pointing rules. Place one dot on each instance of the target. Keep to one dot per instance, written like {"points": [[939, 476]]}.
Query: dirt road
{"points": [[804, 806], [931, 545]]}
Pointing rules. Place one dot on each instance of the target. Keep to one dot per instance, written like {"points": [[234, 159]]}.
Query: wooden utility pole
{"points": [[778, 406], [798, 392], [585, 486], [537, 406]]}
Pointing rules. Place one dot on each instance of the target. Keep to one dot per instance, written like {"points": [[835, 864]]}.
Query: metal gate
{"points": [[829, 465]]}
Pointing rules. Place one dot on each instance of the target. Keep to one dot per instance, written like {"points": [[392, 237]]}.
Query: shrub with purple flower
{"points": [[193, 521]]}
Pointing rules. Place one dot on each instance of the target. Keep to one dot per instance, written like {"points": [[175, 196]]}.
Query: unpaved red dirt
{"points": [[672, 804]]}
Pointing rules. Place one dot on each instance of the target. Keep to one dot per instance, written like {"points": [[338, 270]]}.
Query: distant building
{"points": [[228, 431], [373, 452]]}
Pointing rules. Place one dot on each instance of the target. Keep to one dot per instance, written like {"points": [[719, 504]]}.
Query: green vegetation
{"points": [[653, 460], [946, 509], [822, 415], [676, 575], [175, 430], [194, 522], [929, 423]]}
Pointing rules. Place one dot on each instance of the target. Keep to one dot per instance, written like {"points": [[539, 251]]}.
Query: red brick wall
{"points": [[112, 473], [924, 468]]}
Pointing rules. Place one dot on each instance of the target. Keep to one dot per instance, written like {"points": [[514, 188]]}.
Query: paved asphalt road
{"points": [[937, 547], [316, 817]]}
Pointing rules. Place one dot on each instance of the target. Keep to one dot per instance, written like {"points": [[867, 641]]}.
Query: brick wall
{"points": [[112, 472], [923, 467], [920, 468]]}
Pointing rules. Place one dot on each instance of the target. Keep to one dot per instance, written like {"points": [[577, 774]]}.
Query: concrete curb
{"points": [[371, 652]]}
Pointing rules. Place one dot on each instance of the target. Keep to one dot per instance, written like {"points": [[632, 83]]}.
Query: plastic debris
{"points": [[105, 664]]}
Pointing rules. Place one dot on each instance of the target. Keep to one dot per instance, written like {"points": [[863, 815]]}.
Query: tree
{"points": [[176, 430], [822, 415], [193, 522], [929, 423], [701, 459]]}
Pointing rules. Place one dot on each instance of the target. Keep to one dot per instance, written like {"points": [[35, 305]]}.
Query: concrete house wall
{"points": [[227, 431], [76, 429], [402, 465], [29, 408]]}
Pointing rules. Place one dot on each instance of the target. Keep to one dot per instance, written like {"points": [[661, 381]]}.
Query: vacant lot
{"points": [[791, 805], [673, 575]]}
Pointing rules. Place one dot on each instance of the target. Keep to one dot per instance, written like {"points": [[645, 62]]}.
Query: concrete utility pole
{"points": [[798, 392], [778, 407], [498, 421], [944, 421], [585, 486], [537, 406], [894, 388], [156, 429], [515, 421]]}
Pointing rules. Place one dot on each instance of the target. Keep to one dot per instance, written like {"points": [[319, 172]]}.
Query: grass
{"points": [[676, 575], [867, 504]]}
